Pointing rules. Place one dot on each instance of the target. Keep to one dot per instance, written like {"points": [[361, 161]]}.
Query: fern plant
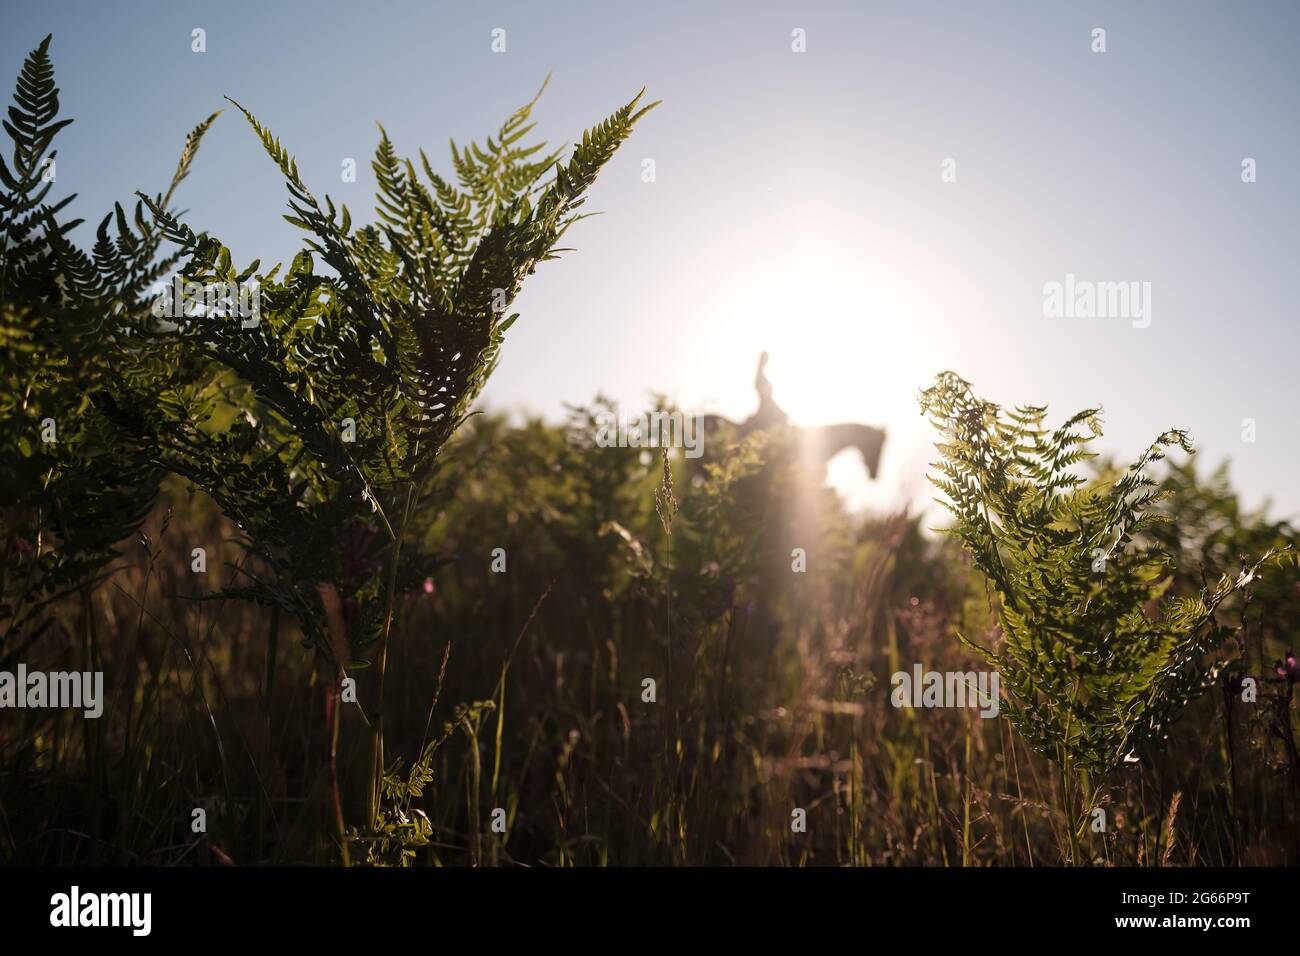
{"points": [[79, 477], [1096, 659], [355, 377]]}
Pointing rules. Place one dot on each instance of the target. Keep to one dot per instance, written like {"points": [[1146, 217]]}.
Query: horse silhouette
{"points": [[817, 445]]}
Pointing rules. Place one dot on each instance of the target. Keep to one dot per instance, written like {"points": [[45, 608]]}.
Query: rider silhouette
{"points": [[769, 414]]}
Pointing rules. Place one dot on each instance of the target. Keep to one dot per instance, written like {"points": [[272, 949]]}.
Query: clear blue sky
{"points": [[798, 204]]}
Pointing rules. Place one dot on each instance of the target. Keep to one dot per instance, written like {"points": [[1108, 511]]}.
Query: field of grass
{"points": [[523, 690]]}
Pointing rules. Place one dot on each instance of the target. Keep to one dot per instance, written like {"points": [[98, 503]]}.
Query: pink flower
{"points": [[1289, 669]]}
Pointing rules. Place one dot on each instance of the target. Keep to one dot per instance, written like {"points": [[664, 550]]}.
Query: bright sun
{"points": [[838, 346], [839, 351]]}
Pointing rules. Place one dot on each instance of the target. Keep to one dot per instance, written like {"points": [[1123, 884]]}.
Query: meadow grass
{"points": [[522, 692]]}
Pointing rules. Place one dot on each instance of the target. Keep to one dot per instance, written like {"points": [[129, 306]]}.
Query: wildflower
{"points": [[1289, 669]]}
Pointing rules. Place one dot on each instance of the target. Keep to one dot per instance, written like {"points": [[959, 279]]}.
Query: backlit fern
{"points": [[351, 382], [1096, 659], [79, 476], [399, 339]]}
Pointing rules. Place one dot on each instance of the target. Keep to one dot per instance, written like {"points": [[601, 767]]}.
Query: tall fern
{"points": [[355, 378], [1096, 659], [399, 336], [79, 476]]}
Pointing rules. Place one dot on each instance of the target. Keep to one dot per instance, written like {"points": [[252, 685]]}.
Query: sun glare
{"points": [[840, 350]]}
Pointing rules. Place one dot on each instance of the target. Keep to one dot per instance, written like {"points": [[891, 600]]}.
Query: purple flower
{"points": [[1289, 669]]}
